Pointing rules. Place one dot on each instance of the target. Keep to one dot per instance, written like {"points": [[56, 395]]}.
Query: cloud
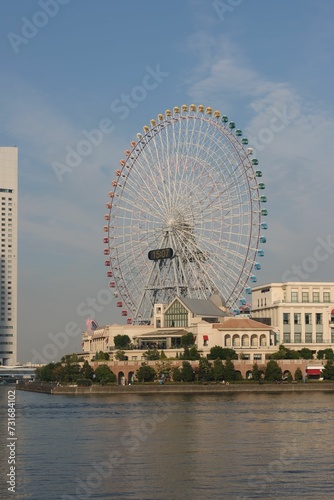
{"points": [[291, 136]]}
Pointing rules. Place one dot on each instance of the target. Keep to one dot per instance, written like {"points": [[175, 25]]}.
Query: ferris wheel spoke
{"points": [[188, 184]]}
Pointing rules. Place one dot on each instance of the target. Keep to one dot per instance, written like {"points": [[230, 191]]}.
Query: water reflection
{"points": [[142, 447]]}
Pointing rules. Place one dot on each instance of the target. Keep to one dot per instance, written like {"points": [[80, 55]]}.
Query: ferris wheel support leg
{"points": [[148, 282]]}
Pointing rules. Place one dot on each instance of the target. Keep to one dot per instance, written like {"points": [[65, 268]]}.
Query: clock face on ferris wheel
{"points": [[184, 213]]}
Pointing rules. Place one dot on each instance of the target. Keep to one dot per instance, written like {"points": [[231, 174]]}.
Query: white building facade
{"points": [[210, 325], [8, 302], [302, 313]]}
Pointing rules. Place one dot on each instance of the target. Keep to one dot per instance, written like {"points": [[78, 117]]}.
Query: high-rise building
{"points": [[8, 295]]}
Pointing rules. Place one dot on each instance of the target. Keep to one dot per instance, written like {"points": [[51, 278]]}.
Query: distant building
{"points": [[8, 307], [208, 322], [302, 313]]}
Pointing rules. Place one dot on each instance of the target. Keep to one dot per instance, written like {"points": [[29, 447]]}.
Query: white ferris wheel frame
{"points": [[187, 183]]}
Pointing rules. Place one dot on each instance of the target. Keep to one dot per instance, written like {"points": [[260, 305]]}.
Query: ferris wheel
{"points": [[184, 214]]}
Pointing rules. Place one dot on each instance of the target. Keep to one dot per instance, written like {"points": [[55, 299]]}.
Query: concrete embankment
{"points": [[177, 388]]}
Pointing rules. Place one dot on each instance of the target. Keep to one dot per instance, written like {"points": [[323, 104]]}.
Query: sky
{"points": [[66, 69]]}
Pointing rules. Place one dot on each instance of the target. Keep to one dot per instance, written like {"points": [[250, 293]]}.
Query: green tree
{"points": [[101, 356], [84, 382], [306, 353], [218, 352], [229, 371], [298, 375], [146, 374], [87, 371], [176, 374], [193, 353], [70, 358], [328, 371], [103, 372], [122, 342], [187, 340], [273, 371], [46, 373], [205, 371], [325, 354], [256, 372], [285, 353], [187, 372], [218, 369], [151, 355], [164, 367], [70, 373], [120, 355], [163, 355]]}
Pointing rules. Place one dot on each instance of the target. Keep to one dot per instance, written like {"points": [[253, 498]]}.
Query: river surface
{"points": [[169, 447]]}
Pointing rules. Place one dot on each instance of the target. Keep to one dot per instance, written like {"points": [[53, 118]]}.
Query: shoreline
{"points": [[175, 389]]}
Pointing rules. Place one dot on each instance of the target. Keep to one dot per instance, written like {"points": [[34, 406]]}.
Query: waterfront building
{"points": [[8, 307], [207, 320], [301, 313]]}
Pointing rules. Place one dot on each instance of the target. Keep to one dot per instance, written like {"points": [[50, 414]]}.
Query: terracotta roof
{"points": [[241, 324]]}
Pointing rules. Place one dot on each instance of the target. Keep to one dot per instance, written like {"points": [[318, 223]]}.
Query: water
{"points": [[152, 447]]}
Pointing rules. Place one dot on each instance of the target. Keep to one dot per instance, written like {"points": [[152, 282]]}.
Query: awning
{"points": [[205, 337], [313, 371]]}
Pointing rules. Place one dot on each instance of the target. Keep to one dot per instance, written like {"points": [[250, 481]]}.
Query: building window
{"points": [[308, 338], [318, 318], [308, 319], [319, 338], [296, 318], [286, 318], [332, 336], [316, 297], [176, 315], [305, 297], [257, 357], [327, 297], [298, 338], [286, 338], [294, 296]]}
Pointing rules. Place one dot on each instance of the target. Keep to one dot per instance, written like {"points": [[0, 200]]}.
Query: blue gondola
{"points": [[260, 252], [248, 290], [264, 225], [263, 239], [257, 266], [253, 278]]}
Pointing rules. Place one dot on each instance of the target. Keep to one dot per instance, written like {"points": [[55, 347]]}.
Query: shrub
{"points": [[298, 375], [306, 353], [218, 352], [146, 374], [84, 381], [103, 372], [328, 371], [151, 355]]}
